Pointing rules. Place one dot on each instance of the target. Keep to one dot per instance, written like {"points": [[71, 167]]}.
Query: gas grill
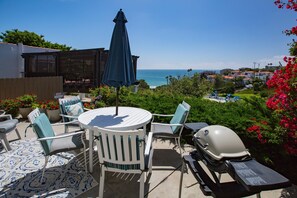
{"points": [[222, 151]]}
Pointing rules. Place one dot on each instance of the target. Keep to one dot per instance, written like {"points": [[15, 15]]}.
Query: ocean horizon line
{"points": [[183, 69], [158, 77]]}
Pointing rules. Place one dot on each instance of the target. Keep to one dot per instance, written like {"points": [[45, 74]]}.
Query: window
{"points": [[42, 64]]}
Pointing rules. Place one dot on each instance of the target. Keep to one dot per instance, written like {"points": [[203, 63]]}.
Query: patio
{"points": [[164, 181]]}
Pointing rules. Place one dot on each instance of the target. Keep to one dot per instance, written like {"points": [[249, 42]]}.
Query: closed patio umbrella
{"points": [[119, 70]]}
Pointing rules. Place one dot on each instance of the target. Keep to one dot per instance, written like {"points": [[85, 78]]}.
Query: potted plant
{"points": [[53, 111], [42, 106], [10, 106], [25, 103]]}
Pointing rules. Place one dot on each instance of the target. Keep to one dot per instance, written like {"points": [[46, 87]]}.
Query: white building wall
{"points": [[11, 61]]}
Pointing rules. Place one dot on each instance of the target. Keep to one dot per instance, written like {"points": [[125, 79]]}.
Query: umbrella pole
{"points": [[117, 101]]}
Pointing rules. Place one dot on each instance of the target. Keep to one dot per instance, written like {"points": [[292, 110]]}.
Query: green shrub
{"points": [[238, 116]]}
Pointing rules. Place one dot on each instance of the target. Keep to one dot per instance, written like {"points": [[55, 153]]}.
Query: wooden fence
{"points": [[44, 87]]}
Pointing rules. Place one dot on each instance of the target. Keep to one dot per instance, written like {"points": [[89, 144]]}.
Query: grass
{"points": [[247, 93]]}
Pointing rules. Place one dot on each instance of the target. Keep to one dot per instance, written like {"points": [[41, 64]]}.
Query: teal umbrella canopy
{"points": [[119, 70]]}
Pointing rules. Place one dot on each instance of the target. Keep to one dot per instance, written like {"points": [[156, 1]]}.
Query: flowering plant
{"points": [[26, 100], [10, 106], [40, 105], [284, 82], [52, 105], [284, 101], [89, 105], [266, 131]]}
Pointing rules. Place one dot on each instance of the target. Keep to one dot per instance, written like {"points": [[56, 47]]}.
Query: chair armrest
{"points": [[68, 116], [165, 124], [148, 143], [163, 115], [8, 116], [65, 123], [61, 136]]}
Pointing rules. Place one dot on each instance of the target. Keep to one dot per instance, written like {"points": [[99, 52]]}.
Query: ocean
{"points": [[157, 77]]}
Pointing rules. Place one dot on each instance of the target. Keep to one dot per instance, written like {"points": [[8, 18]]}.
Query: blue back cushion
{"points": [[63, 107], [179, 117], [43, 128], [74, 109]]}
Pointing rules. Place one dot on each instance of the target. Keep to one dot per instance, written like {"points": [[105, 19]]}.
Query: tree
{"points": [[143, 84], [219, 82], [30, 38]]}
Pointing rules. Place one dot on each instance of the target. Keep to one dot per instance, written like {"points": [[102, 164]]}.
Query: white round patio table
{"points": [[128, 118]]}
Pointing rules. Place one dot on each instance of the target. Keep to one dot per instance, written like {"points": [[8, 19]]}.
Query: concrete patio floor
{"points": [[164, 181]]}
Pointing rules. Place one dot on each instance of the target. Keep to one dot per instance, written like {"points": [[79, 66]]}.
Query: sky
{"points": [[165, 34]]}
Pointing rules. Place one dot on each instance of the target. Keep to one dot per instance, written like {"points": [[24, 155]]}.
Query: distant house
{"points": [[247, 81], [228, 78], [264, 75], [235, 73], [11, 61], [211, 78], [249, 74]]}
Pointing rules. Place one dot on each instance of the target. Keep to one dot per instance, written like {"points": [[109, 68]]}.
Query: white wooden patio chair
{"points": [[124, 152]]}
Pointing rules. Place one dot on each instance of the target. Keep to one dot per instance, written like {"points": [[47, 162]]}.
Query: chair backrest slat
{"points": [[134, 150], [121, 147], [106, 151], [118, 140], [33, 115], [126, 147], [111, 147]]}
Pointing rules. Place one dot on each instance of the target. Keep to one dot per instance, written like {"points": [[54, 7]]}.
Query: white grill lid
{"points": [[220, 142]]}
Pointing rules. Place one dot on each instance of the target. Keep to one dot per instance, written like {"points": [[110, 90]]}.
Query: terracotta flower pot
{"points": [[53, 115]]}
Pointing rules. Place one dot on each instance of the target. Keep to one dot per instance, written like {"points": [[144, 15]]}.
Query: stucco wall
{"points": [[11, 61]]}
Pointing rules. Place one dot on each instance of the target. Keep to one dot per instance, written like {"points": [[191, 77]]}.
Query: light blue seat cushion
{"points": [[179, 117], [74, 109], [43, 128], [8, 125], [66, 144]]}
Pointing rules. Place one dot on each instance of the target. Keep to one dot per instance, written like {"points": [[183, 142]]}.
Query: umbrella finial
{"points": [[120, 17]]}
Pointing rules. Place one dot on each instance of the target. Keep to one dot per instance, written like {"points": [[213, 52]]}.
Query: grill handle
{"points": [[204, 146]]}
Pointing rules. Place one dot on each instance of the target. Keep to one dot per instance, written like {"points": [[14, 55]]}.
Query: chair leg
{"points": [[18, 134], [150, 165], [141, 186], [5, 141], [45, 163], [180, 151], [181, 180], [66, 129], [85, 152], [101, 185]]}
